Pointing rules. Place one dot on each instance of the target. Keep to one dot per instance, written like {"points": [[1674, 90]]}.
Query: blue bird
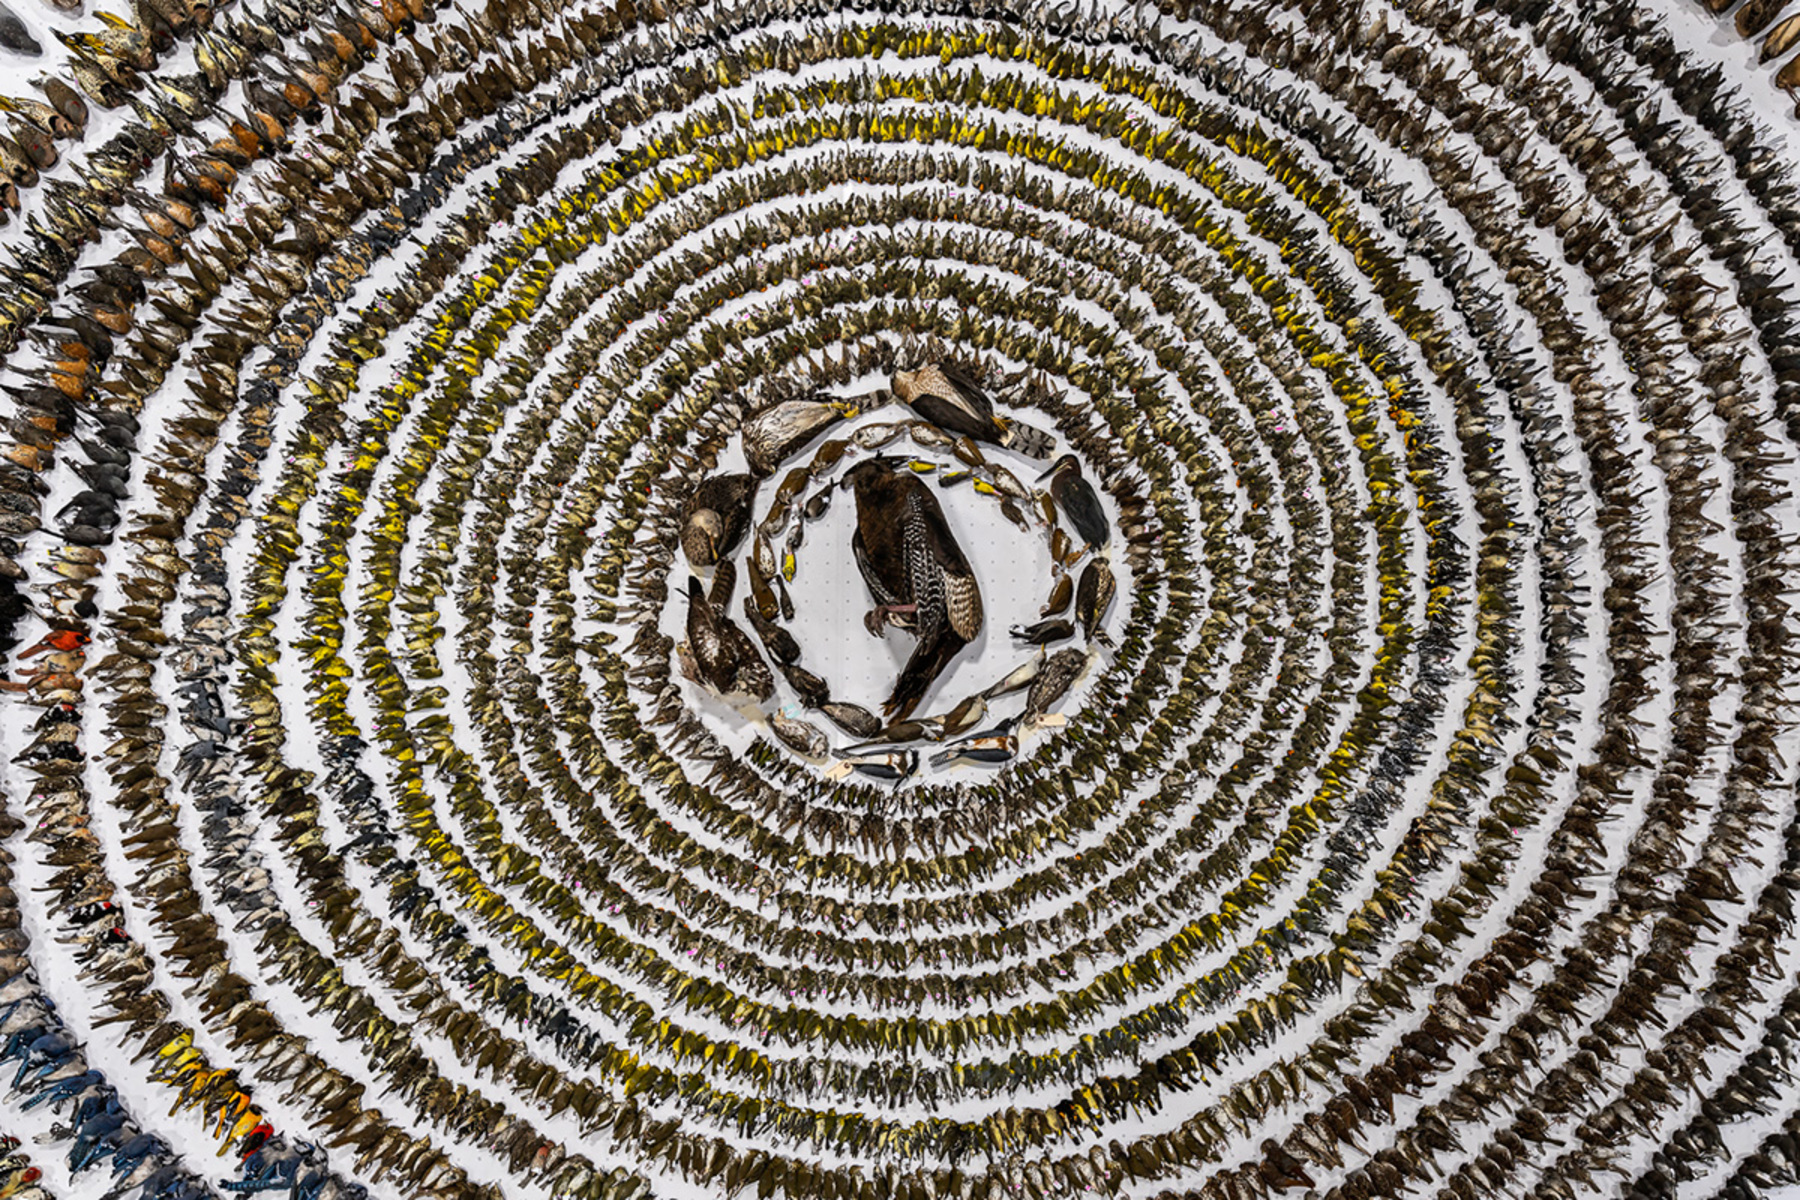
{"points": [[66, 1089], [94, 1140], [135, 1150], [18, 1042]]}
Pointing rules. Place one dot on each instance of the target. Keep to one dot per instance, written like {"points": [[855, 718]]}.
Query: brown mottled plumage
{"points": [[775, 433], [1053, 682], [917, 573], [954, 401], [719, 655], [714, 517]]}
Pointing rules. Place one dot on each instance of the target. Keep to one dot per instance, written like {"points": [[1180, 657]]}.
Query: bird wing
{"points": [[963, 596], [940, 573], [974, 396], [870, 575]]}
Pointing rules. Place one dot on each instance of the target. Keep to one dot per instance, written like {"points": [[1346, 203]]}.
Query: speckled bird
{"points": [[954, 401], [774, 434], [916, 571]]}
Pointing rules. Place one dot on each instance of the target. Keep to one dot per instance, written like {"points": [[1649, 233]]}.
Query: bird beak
{"points": [[1054, 467]]}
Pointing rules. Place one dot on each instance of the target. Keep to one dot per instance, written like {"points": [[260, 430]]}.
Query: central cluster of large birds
{"points": [[914, 567], [1307, 708]]}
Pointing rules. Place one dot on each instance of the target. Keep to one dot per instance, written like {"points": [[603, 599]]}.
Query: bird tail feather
{"points": [[929, 658], [1028, 440]]}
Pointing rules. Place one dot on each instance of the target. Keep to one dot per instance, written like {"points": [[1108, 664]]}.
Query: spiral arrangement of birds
{"points": [[635, 600]]}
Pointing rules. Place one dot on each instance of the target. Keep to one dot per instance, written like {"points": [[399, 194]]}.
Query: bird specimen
{"points": [[955, 402], [714, 518], [917, 573], [1076, 497], [718, 654], [775, 433]]}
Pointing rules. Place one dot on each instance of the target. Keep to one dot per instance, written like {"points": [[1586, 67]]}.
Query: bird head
{"points": [[869, 470], [700, 537], [1067, 462], [905, 385]]}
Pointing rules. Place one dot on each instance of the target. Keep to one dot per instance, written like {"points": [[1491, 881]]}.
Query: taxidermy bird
{"points": [[719, 655], [714, 517], [951, 399], [916, 572], [1078, 500], [778, 431]]}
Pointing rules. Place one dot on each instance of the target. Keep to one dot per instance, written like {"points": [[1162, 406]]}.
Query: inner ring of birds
{"points": [[863, 485]]}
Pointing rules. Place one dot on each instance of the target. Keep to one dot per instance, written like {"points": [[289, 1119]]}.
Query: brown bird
{"points": [[779, 430], [714, 517], [1053, 682], [718, 655], [954, 401], [916, 571]]}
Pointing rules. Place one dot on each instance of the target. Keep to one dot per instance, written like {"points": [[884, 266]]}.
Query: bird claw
{"points": [[877, 619]]}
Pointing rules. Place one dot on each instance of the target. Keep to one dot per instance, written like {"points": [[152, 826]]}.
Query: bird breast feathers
{"points": [[943, 568], [963, 598]]}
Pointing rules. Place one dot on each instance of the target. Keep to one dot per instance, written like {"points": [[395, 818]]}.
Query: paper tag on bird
{"points": [[1053, 720], [837, 771]]}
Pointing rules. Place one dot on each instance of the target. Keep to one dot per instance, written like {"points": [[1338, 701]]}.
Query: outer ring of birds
{"points": [[1427, 826]]}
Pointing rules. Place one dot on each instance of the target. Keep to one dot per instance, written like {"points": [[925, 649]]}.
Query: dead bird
{"points": [[714, 517], [1093, 596], [1053, 683], [955, 402], [964, 716], [813, 691], [719, 655], [775, 638], [916, 571], [1078, 501], [853, 719], [912, 729], [772, 435], [1042, 633], [14, 36], [893, 767], [984, 751], [1019, 677], [802, 737]]}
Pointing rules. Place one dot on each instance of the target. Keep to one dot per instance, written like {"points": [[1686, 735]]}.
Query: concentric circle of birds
{"points": [[899, 601]]}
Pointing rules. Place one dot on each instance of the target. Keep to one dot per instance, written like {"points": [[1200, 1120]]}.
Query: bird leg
{"points": [[867, 402], [878, 616]]}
